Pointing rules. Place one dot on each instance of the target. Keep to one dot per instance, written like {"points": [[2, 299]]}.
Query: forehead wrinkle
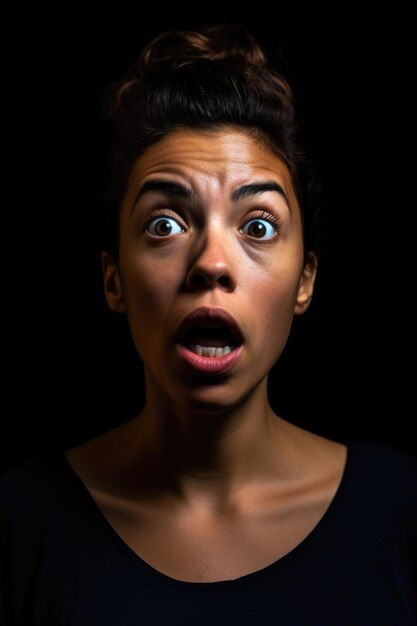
{"points": [[173, 154], [221, 178], [200, 179], [223, 164]]}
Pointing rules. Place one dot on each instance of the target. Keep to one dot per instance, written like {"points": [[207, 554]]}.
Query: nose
{"points": [[212, 265]]}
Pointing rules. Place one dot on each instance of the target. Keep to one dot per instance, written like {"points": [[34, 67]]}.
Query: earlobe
{"points": [[113, 290], [306, 285]]}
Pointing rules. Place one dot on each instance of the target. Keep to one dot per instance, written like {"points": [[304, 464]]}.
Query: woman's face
{"points": [[209, 219]]}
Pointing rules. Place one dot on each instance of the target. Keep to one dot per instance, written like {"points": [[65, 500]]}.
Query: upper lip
{"points": [[209, 317]]}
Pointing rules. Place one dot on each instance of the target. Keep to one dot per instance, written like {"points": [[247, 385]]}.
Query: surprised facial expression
{"points": [[209, 221]]}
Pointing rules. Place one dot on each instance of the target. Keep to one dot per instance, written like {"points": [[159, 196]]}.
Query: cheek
{"points": [[149, 289], [275, 295]]}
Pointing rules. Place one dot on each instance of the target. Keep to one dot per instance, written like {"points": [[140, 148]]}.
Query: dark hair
{"points": [[204, 79]]}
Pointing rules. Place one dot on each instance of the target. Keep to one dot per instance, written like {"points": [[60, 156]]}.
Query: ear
{"points": [[113, 290], [306, 286]]}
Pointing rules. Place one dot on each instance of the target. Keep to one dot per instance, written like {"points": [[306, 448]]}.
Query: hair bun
{"points": [[230, 46], [222, 42]]}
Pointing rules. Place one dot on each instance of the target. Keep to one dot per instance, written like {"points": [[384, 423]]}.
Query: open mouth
{"points": [[209, 340], [215, 340]]}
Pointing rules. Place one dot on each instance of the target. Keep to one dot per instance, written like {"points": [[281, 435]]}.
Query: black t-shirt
{"points": [[62, 563]]}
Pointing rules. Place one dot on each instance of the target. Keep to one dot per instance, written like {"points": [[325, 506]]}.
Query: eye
{"points": [[163, 227], [260, 229]]}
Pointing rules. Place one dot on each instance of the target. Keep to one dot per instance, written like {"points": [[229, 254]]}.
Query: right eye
{"points": [[163, 227]]}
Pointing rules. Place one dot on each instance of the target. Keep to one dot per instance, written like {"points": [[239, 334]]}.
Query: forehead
{"points": [[213, 159]]}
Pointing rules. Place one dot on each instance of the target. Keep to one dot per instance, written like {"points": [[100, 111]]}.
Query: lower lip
{"points": [[207, 364]]}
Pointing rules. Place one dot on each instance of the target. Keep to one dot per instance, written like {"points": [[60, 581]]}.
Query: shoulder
{"points": [[32, 471], [378, 462], [32, 486], [383, 480]]}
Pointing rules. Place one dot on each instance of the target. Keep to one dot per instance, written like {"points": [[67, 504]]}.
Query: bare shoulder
{"points": [[308, 438], [321, 459], [96, 460]]}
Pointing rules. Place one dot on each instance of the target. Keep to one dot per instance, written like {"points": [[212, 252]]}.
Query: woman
{"points": [[207, 507]]}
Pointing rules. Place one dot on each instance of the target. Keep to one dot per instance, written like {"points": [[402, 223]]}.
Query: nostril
{"points": [[223, 281], [200, 277], [198, 281]]}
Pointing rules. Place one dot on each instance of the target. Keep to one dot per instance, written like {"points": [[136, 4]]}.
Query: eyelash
{"points": [[264, 215], [160, 213]]}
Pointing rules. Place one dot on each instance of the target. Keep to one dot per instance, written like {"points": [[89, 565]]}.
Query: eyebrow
{"points": [[167, 186], [252, 189], [181, 191]]}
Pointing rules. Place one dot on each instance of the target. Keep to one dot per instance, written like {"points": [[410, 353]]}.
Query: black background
{"points": [[70, 369]]}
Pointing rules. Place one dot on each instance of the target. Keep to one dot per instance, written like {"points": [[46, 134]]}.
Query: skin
{"points": [[209, 472], [159, 282]]}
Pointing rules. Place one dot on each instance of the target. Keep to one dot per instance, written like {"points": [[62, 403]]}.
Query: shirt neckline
{"points": [[279, 563]]}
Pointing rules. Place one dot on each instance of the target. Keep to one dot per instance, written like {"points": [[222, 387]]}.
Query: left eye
{"points": [[164, 226], [260, 229]]}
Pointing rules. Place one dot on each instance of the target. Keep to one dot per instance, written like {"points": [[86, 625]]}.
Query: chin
{"points": [[212, 398]]}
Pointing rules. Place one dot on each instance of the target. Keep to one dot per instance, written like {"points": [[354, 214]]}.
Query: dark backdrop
{"points": [[70, 369]]}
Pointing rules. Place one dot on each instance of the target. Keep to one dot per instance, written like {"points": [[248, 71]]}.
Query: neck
{"points": [[206, 455]]}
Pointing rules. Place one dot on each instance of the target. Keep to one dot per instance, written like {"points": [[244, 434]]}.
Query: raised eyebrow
{"points": [[167, 186], [181, 191], [252, 189]]}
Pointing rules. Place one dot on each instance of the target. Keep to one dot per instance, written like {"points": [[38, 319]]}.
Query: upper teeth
{"points": [[210, 351]]}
